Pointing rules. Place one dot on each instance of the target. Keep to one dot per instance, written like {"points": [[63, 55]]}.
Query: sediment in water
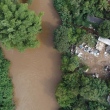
{"points": [[36, 72]]}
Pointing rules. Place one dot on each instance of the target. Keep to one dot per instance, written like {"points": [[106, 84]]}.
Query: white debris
{"points": [[72, 51], [106, 54], [76, 51], [83, 44], [104, 40], [100, 45], [87, 70], [80, 55], [93, 75], [90, 26], [108, 98], [97, 75]]}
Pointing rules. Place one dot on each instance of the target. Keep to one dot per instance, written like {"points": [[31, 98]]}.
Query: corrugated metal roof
{"points": [[104, 40], [94, 19]]}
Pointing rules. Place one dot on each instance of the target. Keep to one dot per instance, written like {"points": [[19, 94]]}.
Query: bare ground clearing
{"points": [[96, 64]]}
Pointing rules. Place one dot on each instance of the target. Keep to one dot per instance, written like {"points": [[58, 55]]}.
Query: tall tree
{"points": [[6, 88], [18, 25]]}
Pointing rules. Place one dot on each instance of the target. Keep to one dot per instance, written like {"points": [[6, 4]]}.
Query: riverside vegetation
{"points": [[18, 29], [76, 91], [18, 25], [6, 88]]}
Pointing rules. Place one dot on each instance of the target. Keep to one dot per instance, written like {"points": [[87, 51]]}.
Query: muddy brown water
{"points": [[36, 72]]}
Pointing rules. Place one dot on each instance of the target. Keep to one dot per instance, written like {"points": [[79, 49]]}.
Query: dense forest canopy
{"points": [[74, 15], [77, 91], [18, 29], [18, 25], [6, 88]]}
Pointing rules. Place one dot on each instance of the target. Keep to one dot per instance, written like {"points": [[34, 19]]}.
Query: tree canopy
{"points": [[77, 91], [6, 88], [104, 29], [18, 25]]}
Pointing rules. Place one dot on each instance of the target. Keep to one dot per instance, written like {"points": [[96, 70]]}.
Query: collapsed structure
{"points": [[88, 54]]}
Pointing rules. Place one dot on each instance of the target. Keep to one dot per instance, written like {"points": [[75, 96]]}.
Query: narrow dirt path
{"points": [[36, 72]]}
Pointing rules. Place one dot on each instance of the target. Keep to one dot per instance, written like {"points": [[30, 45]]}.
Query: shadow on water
{"points": [[56, 72], [46, 36]]}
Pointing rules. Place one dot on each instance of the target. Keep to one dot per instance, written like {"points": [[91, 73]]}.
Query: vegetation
{"points": [[104, 29], [61, 39], [29, 1], [89, 39], [67, 36], [18, 29], [26, 1], [79, 91], [18, 26], [76, 90], [76, 11], [68, 90], [6, 88], [70, 63], [74, 14]]}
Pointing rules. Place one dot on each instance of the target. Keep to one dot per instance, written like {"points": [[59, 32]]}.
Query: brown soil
{"points": [[96, 64], [36, 72]]}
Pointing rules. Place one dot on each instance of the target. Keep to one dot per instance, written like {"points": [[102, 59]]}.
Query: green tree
{"points": [[69, 63], [104, 5], [93, 89], [103, 29], [97, 106], [89, 39], [79, 92], [80, 105], [74, 63], [18, 26], [6, 88], [68, 90], [61, 40], [29, 1]]}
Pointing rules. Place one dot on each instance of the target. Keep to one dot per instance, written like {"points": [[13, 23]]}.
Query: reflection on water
{"points": [[36, 72]]}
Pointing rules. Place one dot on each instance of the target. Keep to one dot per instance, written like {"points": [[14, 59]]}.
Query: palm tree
{"points": [[103, 5]]}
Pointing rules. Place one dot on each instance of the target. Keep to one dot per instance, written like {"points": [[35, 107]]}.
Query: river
{"points": [[36, 72]]}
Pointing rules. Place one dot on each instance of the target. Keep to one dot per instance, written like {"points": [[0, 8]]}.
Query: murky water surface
{"points": [[36, 72]]}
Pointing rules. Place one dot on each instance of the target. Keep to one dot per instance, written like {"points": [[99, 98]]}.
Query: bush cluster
{"points": [[18, 25], [74, 14], [6, 88], [77, 91]]}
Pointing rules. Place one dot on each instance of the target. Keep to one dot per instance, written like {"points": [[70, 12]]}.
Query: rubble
{"points": [[95, 75], [108, 99], [100, 46], [80, 54], [88, 49], [108, 49], [72, 49]]}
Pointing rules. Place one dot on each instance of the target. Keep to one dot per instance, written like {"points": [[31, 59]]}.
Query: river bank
{"points": [[36, 72]]}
